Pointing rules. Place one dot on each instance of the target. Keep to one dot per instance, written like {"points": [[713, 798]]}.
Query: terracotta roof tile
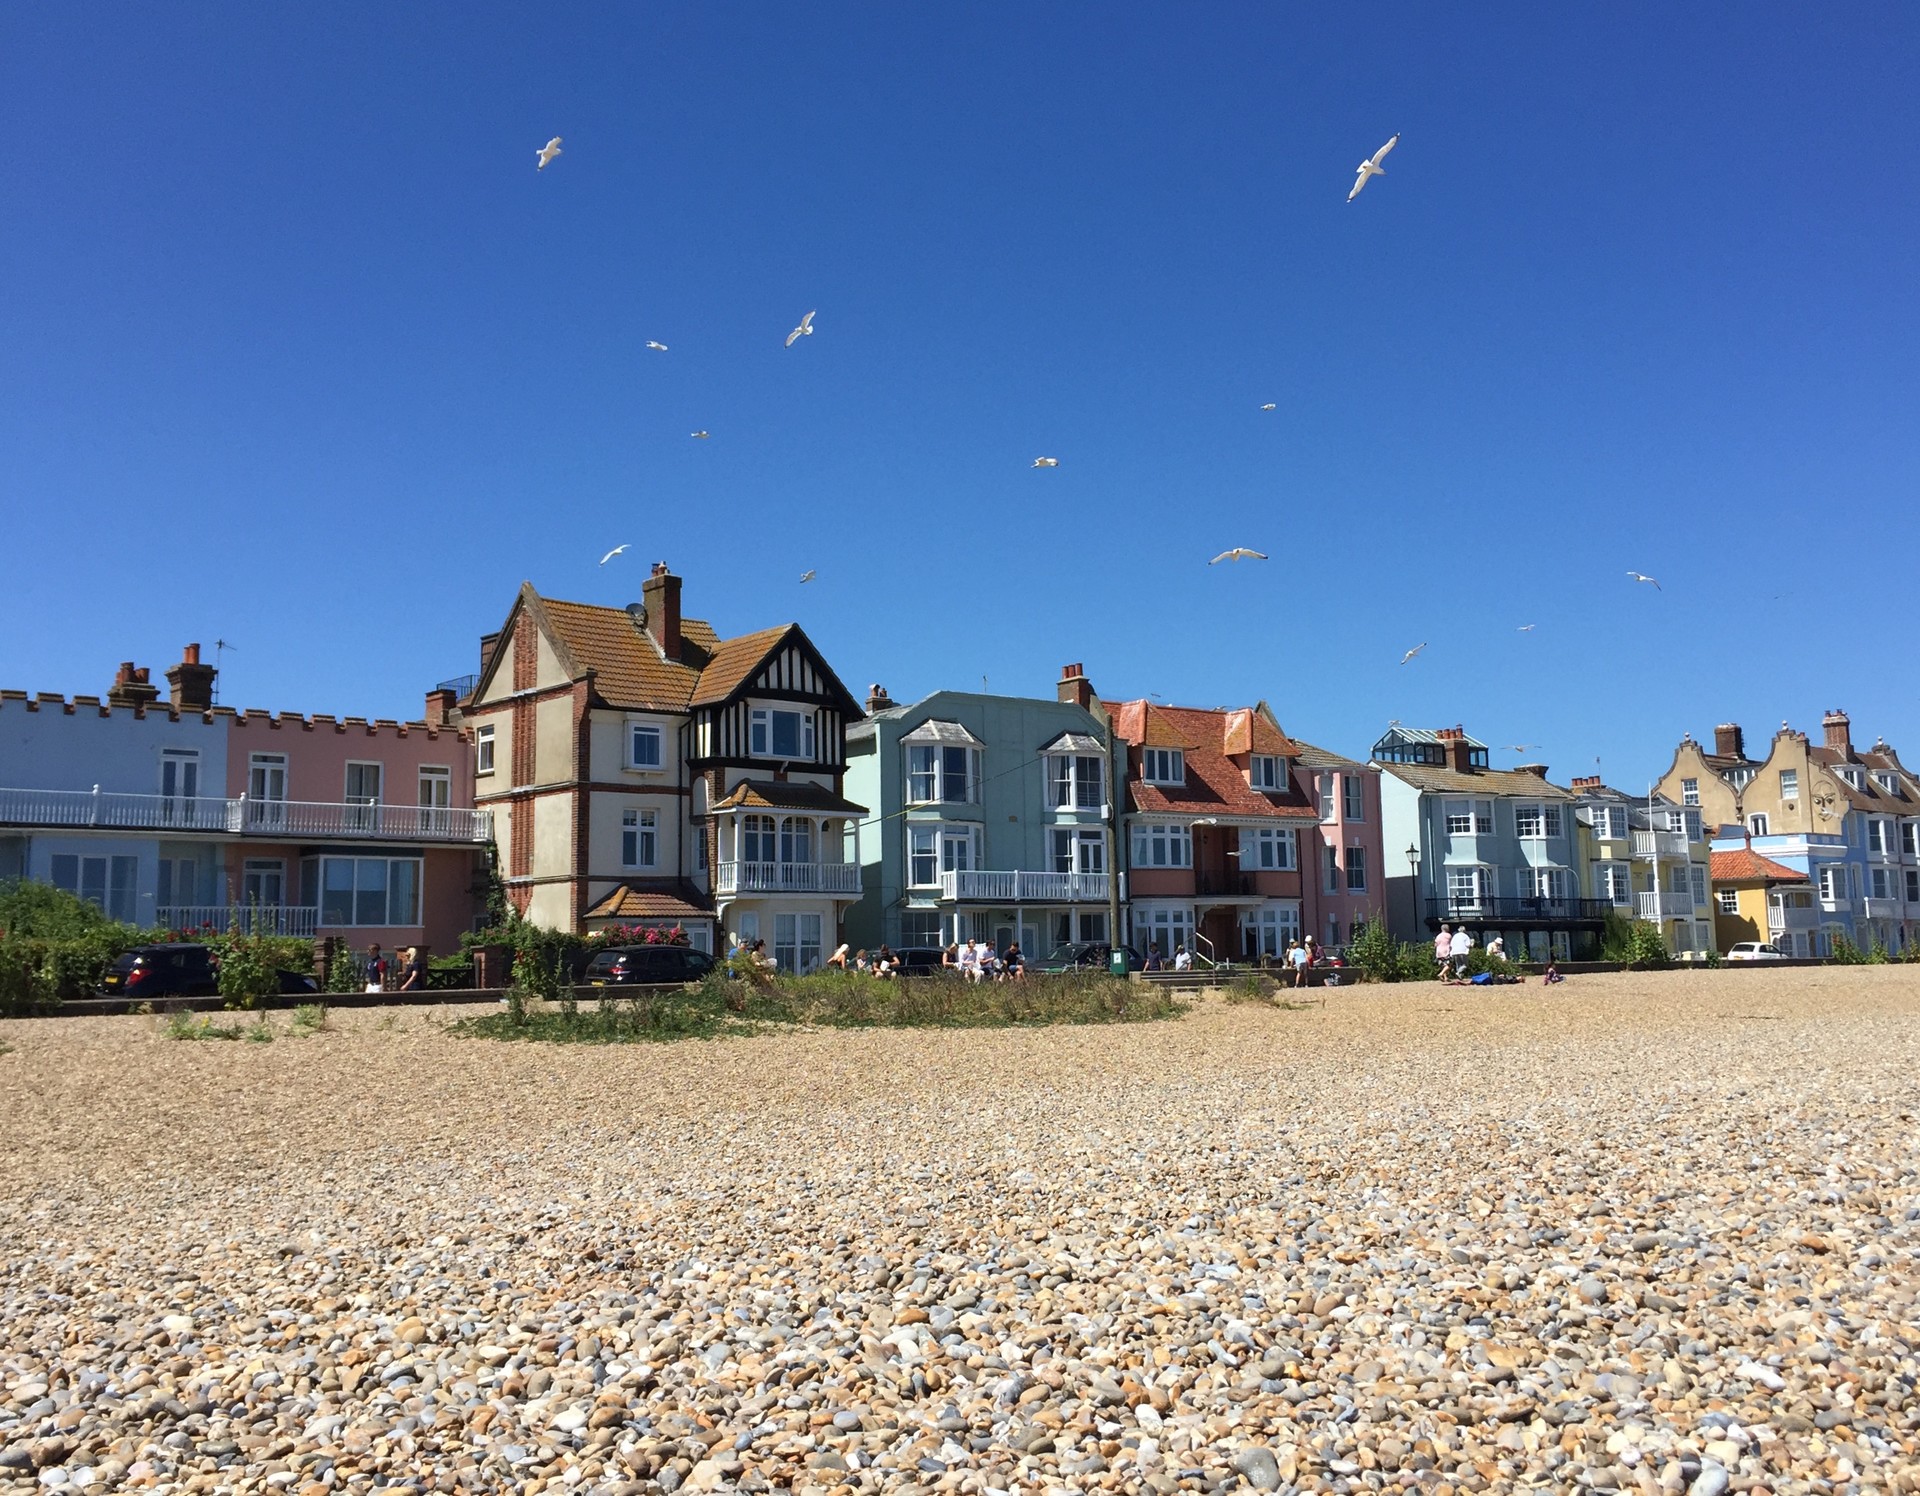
{"points": [[1744, 865], [628, 668], [627, 902], [1249, 731], [1214, 784], [788, 795], [733, 660]]}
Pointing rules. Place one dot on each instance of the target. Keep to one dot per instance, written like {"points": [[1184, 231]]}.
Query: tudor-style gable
{"points": [[769, 701]]}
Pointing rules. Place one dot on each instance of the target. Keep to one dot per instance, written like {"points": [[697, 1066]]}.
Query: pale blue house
{"points": [[991, 819]]}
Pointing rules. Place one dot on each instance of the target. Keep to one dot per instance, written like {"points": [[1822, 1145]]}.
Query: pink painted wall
{"points": [[319, 748], [1349, 908]]}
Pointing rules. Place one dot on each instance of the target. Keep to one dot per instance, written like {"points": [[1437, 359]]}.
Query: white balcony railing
{"points": [[1020, 887], [1791, 917], [1883, 908], [253, 919], [97, 810], [1658, 906], [787, 877], [1665, 844]]}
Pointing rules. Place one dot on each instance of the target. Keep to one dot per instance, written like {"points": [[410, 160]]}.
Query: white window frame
{"points": [[637, 730], [639, 837], [1689, 792], [1613, 881], [1552, 884], [1913, 884], [1162, 844], [1728, 900], [1877, 884], [1530, 820], [760, 725], [1326, 793], [1699, 889], [434, 785], [483, 748], [923, 846], [1356, 863], [959, 847], [1789, 784], [1263, 773], [1910, 838], [1353, 798], [1879, 836], [109, 881], [1078, 849], [314, 880], [1329, 868], [1603, 821], [1268, 929], [1075, 781], [1833, 883], [933, 785], [1479, 880], [1165, 924], [1163, 766], [1757, 823], [1270, 849]]}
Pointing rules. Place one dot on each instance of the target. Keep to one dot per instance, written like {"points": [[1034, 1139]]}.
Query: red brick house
{"points": [[1216, 827]]}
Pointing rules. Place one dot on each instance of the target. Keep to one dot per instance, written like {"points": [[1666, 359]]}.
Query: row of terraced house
{"points": [[633, 767]]}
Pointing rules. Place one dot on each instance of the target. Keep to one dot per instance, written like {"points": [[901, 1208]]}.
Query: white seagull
{"points": [[1269, 406], [1238, 553], [1519, 747], [656, 347], [1526, 628], [1046, 462], [702, 435], [1412, 652], [612, 553], [807, 575], [804, 330], [547, 152], [1371, 167], [1643, 577]]}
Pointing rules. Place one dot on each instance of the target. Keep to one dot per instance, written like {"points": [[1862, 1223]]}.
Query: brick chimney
{"points": [[661, 593], [1538, 771], [1459, 754], [1839, 731], [877, 699], [442, 703], [1729, 741], [131, 687], [191, 683], [1584, 782], [1074, 686]]}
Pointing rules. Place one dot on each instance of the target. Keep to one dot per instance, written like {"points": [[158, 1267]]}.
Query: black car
{"points": [[916, 960], [1087, 955], [180, 971], [647, 965]]}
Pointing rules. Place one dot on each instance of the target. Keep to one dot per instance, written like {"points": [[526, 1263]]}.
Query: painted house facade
{"points": [[1344, 882], [992, 819], [1217, 829], [1649, 860], [644, 771], [1756, 898], [1494, 849], [182, 814]]}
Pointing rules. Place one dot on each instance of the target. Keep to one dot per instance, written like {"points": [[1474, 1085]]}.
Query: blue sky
{"points": [[299, 350]]}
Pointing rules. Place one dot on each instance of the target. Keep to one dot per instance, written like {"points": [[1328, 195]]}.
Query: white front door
{"points": [[179, 783], [267, 789]]}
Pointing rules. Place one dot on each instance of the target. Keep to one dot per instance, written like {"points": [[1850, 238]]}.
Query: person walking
{"points": [[416, 971], [375, 968], [1152, 961], [1182, 958], [1460, 948], [1443, 950], [1301, 959]]}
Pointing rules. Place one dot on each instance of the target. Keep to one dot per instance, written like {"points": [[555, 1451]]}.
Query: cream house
{"points": [[644, 771]]}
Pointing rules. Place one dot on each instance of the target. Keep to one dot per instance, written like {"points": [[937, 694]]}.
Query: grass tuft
{"points": [[310, 1018]]}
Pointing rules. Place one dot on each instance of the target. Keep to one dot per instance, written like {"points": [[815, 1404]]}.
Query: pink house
{"points": [[360, 829], [1346, 881]]}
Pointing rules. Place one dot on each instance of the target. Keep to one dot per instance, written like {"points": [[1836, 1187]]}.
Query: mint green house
{"points": [[990, 819]]}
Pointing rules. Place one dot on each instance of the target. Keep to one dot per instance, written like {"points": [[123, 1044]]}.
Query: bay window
{"points": [[942, 773], [757, 839], [1074, 781], [1467, 886], [778, 732], [923, 856], [1469, 817]]}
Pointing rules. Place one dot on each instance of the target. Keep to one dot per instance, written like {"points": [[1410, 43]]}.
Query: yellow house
{"points": [[1756, 898]]}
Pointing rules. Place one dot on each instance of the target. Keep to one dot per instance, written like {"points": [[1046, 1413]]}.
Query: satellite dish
{"points": [[638, 613]]}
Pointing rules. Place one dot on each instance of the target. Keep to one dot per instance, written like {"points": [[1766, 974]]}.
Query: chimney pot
{"points": [[190, 682], [131, 687], [1839, 731], [1074, 687], [661, 591], [1729, 741], [877, 698], [1538, 771]]}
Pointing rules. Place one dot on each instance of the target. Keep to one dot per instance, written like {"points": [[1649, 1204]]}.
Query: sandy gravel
{"points": [[1641, 1233]]}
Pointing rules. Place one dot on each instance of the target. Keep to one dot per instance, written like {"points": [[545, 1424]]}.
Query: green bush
{"points": [[40, 909], [247, 977], [1846, 953], [1378, 957], [1646, 948], [26, 986]]}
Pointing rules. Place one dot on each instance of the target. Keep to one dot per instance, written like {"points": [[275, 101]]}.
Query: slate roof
{"points": [[766, 794], [934, 730], [1310, 757], [1433, 780], [1870, 795], [1744, 865], [1215, 785]]}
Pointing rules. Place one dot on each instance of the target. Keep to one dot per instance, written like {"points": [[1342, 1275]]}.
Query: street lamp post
{"points": [[1413, 882]]}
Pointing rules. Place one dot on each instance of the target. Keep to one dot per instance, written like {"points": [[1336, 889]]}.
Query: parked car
{"points": [[918, 960], [181, 971], [631, 965], [1755, 950], [1087, 955]]}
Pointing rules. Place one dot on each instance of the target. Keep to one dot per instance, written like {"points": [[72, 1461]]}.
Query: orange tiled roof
{"points": [[763, 794], [1249, 731], [1744, 865], [632, 903], [733, 661], [628, 668], [1215, 785]]}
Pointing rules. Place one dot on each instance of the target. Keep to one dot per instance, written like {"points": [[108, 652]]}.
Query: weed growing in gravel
{"points": [[188, 1026], [260, 1031], [831, 1000], [310, 1018]]}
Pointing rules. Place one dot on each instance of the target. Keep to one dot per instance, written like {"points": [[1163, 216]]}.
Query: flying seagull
{"points": [[1642, 577], [656, 347], [1412, 652], [1371, 167], [702, 435], [1526, 628], [1519, 747], [1046, 462], [807, 575], [804, 330], [612, 553], [1269, 406], [1238, 553], [547, 152]]}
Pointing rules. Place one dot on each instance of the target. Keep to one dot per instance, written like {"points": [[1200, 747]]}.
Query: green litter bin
{"points": [[1117, 962]]}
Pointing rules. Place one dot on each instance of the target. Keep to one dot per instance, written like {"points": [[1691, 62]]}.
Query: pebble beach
{"points": [[1641, 1233]]}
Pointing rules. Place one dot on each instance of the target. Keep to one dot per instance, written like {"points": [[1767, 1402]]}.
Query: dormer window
{"points": [[1163, 765], [1263, 772], [1885, 781], [1074, 781], [942, 773], [776, 733]]}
